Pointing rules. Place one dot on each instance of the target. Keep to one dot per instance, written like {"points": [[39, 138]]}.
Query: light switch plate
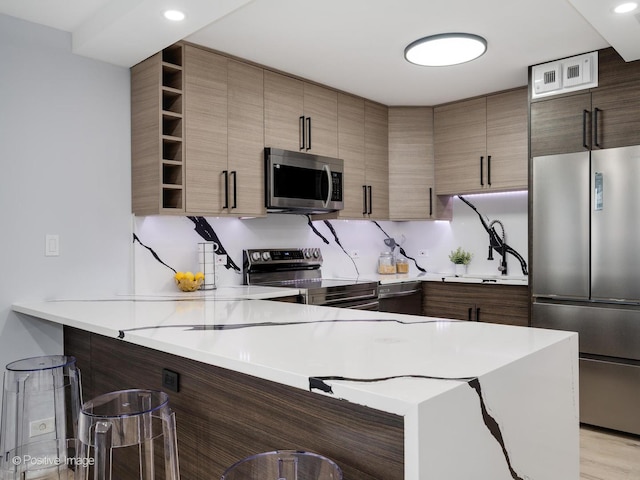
{"points": [[52, 245]]}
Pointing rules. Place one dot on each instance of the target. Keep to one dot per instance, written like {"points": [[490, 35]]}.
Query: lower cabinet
{"points": [[223, 416], [480, 302]]}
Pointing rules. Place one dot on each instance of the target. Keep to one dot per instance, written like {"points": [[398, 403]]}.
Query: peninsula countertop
{"points": [[290, 343], [523, 380]]}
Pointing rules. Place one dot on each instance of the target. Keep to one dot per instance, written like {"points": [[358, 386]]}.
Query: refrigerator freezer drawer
{"points": [[608, 330], [609, 394]]}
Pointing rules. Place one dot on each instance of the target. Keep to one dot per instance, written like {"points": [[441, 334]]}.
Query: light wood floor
{"points": [[606, 455]]}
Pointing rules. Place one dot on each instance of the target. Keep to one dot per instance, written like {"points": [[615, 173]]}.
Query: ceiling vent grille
{"points": [[567, 75]]}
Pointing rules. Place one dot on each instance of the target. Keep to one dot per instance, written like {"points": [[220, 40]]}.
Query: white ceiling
{"points": [[353, 45]]}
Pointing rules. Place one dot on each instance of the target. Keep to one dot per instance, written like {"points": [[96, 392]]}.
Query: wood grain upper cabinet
{"points": [[363, 145], [245, 140], [205, 76], [560, 125], [481, 144], [412, 194], [506, 304], [376, 154], [300, 116], [351, 151]]}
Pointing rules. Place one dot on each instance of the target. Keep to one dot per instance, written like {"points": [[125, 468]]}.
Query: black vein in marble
{"points": [[337, 240], [315, 230], [319, 383], [205, 230], [238, 326], [493, 427], [155, 255]]}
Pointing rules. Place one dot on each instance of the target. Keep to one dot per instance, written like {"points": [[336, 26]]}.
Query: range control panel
{"points": [[283, 256]]}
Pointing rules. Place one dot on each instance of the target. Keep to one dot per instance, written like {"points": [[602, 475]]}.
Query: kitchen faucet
{"points": [[494, 242]]}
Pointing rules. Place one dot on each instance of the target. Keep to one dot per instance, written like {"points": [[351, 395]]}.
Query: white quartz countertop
{"points": [[392, 362]]}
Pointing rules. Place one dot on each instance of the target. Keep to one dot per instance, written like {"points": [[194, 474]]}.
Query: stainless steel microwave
{"points": [[297, 182]]}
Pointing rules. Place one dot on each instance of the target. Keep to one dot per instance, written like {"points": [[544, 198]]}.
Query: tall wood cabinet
{"points": [[376, 154], [197, 134], [300, 116], [481, 144], [607, 116], [412, 192], [157, 134]]}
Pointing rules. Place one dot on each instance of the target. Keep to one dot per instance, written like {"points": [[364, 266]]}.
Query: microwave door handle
{"points": [[330, 192]]}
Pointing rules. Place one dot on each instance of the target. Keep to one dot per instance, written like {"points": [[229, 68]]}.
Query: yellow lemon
{"points": [[199, 276], [189, 276], [179, 276]]}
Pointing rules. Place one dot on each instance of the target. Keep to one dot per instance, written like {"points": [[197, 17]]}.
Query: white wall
{"points": [[175, 241], [65, 167]]}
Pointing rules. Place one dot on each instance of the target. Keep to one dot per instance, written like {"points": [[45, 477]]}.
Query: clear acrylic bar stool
{"points": [[284, 465], [40, 405], [129, 434]]}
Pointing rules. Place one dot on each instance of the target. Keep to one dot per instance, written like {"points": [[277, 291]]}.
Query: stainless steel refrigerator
{"points": [[585, 273]]}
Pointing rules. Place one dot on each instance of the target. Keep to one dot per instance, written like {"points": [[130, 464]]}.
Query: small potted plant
{"points": [[460, 258]]}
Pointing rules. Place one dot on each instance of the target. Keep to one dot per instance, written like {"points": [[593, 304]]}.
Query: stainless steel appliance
{"points": [[301, 268], [298, 182], [586, 273], [405, 297]]}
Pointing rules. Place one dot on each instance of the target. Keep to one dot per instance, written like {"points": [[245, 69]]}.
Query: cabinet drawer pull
{"points": [[482, 171], [302, 133], [225, 173], [235, 188], [595, 127]]}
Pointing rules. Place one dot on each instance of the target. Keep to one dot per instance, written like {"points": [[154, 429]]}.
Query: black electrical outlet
{"points": [[170, 380]]}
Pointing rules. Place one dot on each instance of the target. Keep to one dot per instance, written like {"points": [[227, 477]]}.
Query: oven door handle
{"points": [[349, 299], [330, 183]]}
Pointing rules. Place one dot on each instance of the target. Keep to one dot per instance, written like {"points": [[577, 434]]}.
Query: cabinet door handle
{"points": [[370, 200], [595, 127], [430, 201], [477, 314], [364, 199], [489, 170], [235, 188], [302, 133], [584, 129], [482, 171], [225, 173], [308, 133], [469, 313]]}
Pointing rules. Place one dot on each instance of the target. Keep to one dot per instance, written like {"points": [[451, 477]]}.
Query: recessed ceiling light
{"points": [[626, 7], [174, 15], [445, 49]]}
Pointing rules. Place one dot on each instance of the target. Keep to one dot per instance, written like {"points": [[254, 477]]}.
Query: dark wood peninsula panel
{"points": [[223, 416]]}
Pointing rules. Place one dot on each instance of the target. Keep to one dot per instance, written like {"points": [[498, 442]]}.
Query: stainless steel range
{"points": [[301, 268]]}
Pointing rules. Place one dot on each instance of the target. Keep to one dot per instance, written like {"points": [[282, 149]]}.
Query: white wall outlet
{"points": [[354, 254], [423, 253], [42, 427], [51, 245], [221, 259]]}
